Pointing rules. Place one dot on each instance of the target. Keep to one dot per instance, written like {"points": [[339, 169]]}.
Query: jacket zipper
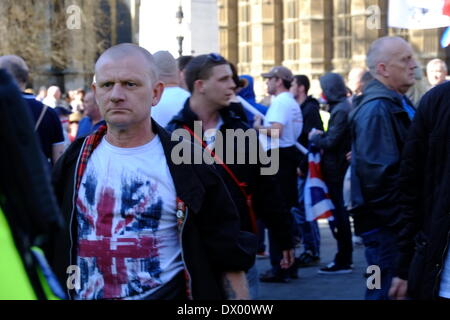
{"points": [[441, 266], [73, 209], [182, 256]]}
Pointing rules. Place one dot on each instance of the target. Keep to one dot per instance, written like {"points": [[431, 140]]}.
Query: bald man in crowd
{"points": [[436, 72], [143, 226], [379, 126], [354, 80], [46, 121], [173, 97]]}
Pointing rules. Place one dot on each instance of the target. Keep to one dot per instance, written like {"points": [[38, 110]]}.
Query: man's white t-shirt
{"points": [[128, 243], [285, 110], [172, 101]]}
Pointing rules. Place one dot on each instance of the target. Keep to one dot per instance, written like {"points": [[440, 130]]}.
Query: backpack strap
{"points": [[41, 116]]}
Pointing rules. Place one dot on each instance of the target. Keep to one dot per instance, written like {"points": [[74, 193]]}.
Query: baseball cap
{"points": [[279, 72]]}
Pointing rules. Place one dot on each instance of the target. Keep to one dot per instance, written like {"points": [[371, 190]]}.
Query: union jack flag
{"points": [[318, 204]]}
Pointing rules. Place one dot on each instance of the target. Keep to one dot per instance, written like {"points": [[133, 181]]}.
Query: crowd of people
{"points": [[133, 222]]}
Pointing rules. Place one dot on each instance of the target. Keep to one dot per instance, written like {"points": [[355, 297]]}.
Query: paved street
{"points": [[314, 286]]}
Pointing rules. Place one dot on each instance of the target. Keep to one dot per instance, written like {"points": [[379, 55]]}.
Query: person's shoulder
{"points": [[436, 101], [376, 106], [284, 100], [71, 154], [343, 106]]}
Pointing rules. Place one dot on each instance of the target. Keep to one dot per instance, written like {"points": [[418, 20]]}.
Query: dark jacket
{"points": [[267, 200], [311, 119], [210, 237], [425, 184], [336, 141], [26, 197], [379, 126]]}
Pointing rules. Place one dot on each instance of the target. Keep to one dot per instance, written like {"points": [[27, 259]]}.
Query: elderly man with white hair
{"points": [[53, 96], [436, 72], [379, 126]]}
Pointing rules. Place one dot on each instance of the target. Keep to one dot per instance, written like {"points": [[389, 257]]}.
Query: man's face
{"points": [[400, 68], [354, 80], [294, 89], [272, 85], [125, 90], [219, 87], [436, 74], [90, 105]]}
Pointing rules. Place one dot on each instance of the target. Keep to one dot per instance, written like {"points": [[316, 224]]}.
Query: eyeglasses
{"points": [[215, 57], [211, 57]]}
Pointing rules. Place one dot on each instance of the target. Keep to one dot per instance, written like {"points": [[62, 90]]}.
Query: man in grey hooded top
{"points": [[335, 143]]}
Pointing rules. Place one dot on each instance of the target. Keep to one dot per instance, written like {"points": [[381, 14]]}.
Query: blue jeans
{"points": [[253, 282], [261, 235], [307, 230], [381, 250]]}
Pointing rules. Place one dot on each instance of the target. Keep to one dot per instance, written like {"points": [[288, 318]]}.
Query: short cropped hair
{"points": [[125, 49], [200, 68]]}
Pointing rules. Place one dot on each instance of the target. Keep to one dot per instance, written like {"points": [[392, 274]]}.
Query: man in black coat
{"points": [[335, 144], [379, 126], [309, 230], [424, 266], [209, 79]]}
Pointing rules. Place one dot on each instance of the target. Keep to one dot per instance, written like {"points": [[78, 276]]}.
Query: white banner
{"points": [[418, 14]]}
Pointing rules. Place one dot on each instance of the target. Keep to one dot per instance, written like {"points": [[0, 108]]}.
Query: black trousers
{"points": [[340, 226], [289, 159]]}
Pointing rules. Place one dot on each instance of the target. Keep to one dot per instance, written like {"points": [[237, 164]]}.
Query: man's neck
{"points": [[134, 136], [95, 119], [205, 112], [171, 85], [280, 91], [301, 98], [383, 81]]}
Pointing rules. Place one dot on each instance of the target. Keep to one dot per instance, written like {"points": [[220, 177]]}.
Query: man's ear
{"points": [[279, 82], [199, 86], [94, 89], [382, 70], [158, 89]]}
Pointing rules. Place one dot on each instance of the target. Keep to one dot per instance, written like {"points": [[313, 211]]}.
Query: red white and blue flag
{"points": [[318, 204], [419, 14]]}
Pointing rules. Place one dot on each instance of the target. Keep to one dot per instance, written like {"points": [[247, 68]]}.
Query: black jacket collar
{"points": [[187, 184], [187, 117]]}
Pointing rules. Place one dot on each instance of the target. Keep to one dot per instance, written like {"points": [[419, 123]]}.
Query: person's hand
{"points": [[399, 289], [348, 156], [257, 122], [313, 133], [300, 173], [288, 259]]}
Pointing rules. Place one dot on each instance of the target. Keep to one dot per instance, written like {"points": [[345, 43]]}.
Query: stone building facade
{"points": [[67, 36], [310, 36]]}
